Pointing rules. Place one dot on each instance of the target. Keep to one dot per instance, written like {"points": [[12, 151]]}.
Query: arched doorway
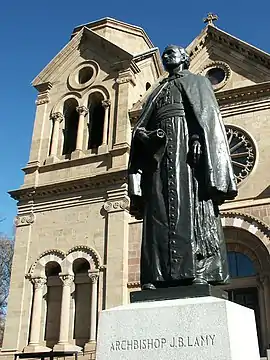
{"points": [[249, 264]]}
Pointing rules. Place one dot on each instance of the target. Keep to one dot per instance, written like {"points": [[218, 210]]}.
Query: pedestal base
{"points": [[90, 346], [204, 328], [36, 349], [66, 347], [178, 292]]}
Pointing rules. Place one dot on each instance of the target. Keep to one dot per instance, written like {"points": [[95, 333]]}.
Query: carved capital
{"points": [[263, 279], [93, 277], [116, 205], [106, 103], [67, 279], [42, 98], [82, 110], [57, 116], [25, 219], [38, 282], [125, 77]]}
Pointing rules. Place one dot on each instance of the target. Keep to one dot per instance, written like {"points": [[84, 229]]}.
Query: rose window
{"points": [[242, 150]]}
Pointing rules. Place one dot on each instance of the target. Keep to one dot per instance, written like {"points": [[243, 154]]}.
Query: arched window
{"points": [[147, 86], [53, 298], [82, 301], [96, 120], [71, 126], [240, 265]]}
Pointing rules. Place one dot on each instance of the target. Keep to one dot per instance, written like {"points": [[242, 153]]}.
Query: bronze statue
{"points": [[179, 172]]}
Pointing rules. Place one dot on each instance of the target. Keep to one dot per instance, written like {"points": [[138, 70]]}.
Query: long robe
{"points": [[182, 232]]}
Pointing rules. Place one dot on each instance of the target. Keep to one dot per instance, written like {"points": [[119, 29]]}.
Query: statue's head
{"points": [[173, 56]]}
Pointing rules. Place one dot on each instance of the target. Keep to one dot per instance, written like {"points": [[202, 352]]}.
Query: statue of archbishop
{"points": [[179, 172]]}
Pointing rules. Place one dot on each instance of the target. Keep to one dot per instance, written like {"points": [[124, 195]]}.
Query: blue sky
{"points": [[33, 32]]}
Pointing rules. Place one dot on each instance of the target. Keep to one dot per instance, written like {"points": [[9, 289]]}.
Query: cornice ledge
{"points": [[243, 93], [62, 164], [247, 94], [90, 183], [249, 51], [120, 149]]}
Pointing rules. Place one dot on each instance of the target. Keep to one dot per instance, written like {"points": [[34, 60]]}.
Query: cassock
{"points": [[178, 202]]}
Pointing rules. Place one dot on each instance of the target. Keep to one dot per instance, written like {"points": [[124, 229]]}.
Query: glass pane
{"points": [[244, 265], [232, 264], [240, 265]]}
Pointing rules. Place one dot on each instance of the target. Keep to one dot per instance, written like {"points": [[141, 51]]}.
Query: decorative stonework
{"points": [[93, 277], [246, 222], [242, 150], [106, 103], [67, 279], [82, 110], [42, 99], [65, 260], [57, 116], [116, 205], [218, 65], [87, 183], [209, 20], [83, 251], [43, 96], [73, 79], [25, 219], [125, 77], [38, 282]]}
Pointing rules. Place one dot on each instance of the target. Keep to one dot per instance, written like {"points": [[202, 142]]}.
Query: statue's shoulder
{"points": [[196, 77]]}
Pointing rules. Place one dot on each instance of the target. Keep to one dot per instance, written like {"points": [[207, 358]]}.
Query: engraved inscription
{"points": [[206, 340]]}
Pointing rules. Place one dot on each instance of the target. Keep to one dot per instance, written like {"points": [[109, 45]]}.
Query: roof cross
{"points": [[210, 19]]}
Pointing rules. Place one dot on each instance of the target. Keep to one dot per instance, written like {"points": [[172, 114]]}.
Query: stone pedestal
{"points": [[204, 328]]}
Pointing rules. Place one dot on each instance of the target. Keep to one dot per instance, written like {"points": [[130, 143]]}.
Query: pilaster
{"points": [[117, 214], [41, 135], [124, 82], [20, 294]]}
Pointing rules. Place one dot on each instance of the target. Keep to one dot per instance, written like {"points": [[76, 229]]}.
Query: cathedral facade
{"points": [[77, 249]]}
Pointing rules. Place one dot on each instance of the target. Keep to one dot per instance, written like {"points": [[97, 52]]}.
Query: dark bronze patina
{"points": [[179, 173]]}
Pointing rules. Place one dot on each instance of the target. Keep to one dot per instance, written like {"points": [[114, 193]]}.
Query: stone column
{"points": [[57, 118], [34, 338], [83, 111], [91, 345], [63, 342], [106, 104]]}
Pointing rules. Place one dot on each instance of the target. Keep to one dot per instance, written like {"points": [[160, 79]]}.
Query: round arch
{"points": [[59, 106], [38, 268], [248, 223], [248, 235], [102, 90], [81, 252]]}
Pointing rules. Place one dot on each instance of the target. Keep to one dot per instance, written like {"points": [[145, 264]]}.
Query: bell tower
{"points": [[71, 253]]}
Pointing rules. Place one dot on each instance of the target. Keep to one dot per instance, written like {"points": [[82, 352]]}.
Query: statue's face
{"points": [[172, 57]]}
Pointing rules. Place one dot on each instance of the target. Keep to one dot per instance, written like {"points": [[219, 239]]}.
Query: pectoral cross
{"points": [[210, 19]]}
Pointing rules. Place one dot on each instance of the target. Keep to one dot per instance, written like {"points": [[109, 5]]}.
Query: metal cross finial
{"points": [[210, 19]]}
